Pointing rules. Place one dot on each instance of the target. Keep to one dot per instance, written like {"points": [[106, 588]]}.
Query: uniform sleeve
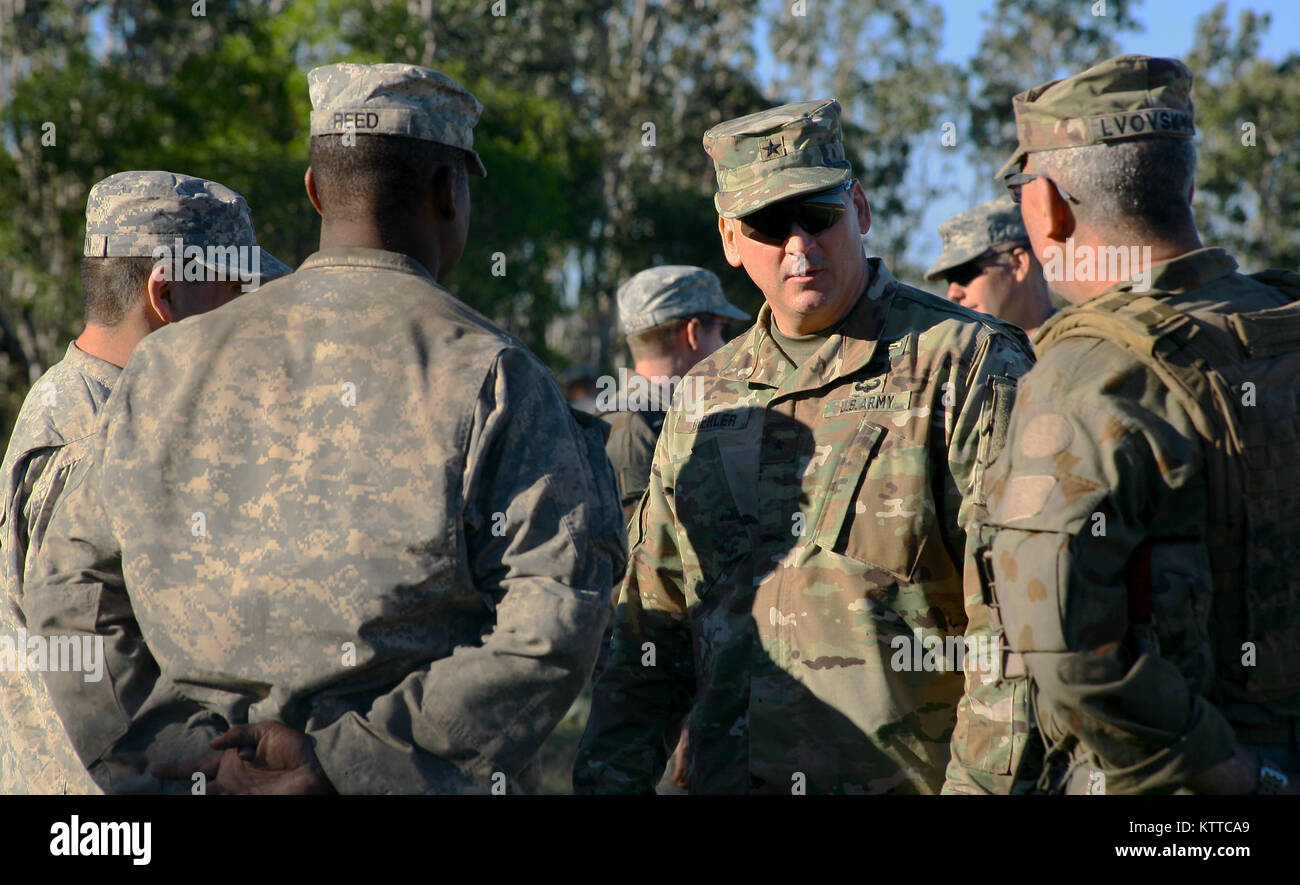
{"points": [[538, 529], [1072, 505], [648, 683], [114, 706], [991, 735], [35, 755]]}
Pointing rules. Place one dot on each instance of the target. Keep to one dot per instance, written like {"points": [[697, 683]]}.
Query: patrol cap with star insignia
{"points": [[1128, 96], [784, 152], [132, 214], [969, 235], [658, 295], [395, 99]]}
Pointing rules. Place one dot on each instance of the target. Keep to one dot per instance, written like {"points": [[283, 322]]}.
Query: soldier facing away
{"points": [[805, 530], [989, 267], [352, 511], [130, 291], [1145, 555]]}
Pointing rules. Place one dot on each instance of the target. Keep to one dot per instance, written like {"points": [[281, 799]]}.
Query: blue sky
{"points": [[1170, 25], [1169, 29]]}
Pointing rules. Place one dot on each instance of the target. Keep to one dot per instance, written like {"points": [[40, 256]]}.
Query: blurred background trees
{"points": [[591, 133]]}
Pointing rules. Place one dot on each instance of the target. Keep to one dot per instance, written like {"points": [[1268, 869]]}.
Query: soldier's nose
{"points": [[799, 240], [956, 293]]}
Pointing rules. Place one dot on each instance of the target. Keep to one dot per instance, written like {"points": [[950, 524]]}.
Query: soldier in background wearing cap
{"points": [[673, 316], [130, 291], [988, 266], [318, 495], [802, 542], [1145, 512]]}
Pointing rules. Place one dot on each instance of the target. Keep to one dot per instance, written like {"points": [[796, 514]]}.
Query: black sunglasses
{"points": [[815, 214], [1016, 180], [962, 274]]}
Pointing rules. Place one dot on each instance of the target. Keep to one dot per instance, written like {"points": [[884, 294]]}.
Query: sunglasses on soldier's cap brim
{"points": [[814, 213]]}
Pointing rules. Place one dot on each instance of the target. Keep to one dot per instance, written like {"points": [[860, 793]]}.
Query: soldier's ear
{"points": [[444, 193], [1021, 263], [309, 181], [159, 292], [728, 229], [863, 208]]}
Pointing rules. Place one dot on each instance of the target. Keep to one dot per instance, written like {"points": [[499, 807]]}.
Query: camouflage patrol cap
{"points": [[777, 154], [669, 292], [141, 213], [1123, 97], [395, 99], [972, 233]]}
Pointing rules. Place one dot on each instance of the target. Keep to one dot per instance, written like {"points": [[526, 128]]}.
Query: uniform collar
{"points": [[1186, 273], [759, 360], [91, 366], [359, 257]]}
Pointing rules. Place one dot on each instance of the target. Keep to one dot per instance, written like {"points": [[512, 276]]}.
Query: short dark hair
{"points": [[386, 176], [113, 287], [659, 341], [1137, 188]]}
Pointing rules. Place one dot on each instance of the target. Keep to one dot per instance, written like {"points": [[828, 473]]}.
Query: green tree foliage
{"points": [[1248, 169], [878, 59], [1027, 42]]}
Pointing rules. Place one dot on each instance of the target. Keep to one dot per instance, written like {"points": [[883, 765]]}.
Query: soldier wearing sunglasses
{"points": [[803, 538], [989, 267]]}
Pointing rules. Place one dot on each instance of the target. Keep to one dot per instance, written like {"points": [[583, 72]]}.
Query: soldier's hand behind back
{"points": [[265, 758]]}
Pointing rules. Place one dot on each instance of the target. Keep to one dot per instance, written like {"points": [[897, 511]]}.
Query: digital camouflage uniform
{"points": [[1110, 556], [794, 526], [651, 298], [127, 214], [48, 448], [979, 230], [350, 504]]}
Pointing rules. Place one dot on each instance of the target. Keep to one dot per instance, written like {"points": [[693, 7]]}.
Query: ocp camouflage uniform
{"points": [[804, 520], [1103, 487], [1142, 554]]}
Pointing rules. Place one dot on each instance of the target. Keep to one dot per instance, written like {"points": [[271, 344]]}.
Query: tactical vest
{"points": [[1237, 375]]}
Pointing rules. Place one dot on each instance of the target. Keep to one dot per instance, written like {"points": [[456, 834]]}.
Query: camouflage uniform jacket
{"points": [[48, 450], [1101, 458], [631, 448], [795, 526], [349, 503]]}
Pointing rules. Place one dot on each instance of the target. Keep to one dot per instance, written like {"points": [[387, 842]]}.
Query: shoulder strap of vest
{"points": [[1166, 340]]}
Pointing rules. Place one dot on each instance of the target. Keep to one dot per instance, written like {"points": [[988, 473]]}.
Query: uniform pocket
{"points": [[1181, 595], [707, 512], [877, 508]]}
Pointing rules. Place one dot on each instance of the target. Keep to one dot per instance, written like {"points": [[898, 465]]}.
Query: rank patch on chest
{"points": [[897, 401]]}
